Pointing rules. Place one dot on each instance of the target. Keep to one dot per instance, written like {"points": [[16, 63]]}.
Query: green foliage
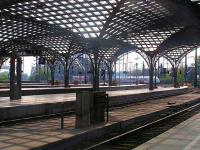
{"points": [[4, 76], [180, 76], [43, 74], [166, 79], [32, 77]]}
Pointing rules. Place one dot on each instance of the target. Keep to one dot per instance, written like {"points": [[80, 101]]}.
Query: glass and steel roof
{"points": [[67, 27]]}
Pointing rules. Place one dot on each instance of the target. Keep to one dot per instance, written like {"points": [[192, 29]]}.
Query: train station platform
{"points": [[46, 133], [185, 136], [37, 105], [42, 89]]}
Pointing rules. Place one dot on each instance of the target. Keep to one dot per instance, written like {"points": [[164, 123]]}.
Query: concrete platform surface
{"points": [[185, 136], [34, 134], [54, 98], [37, 105], [38, 85], [41, 90]]}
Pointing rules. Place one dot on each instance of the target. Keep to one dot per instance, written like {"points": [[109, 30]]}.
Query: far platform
{"points": [[41, 89], [185, 136], [54, 98], [36, 105]]}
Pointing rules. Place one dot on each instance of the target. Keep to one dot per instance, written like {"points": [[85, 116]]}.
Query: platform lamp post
{"points": [[195, 70]]}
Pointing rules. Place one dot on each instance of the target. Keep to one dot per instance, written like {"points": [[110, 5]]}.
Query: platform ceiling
{"points": [[111, 27]]}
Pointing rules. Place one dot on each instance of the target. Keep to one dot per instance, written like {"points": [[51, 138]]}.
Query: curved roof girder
{"points": [[21, 47], [128, 17], [178, 53], [51, 28], [109, 48], [46, 28], [114, 11], [189, 35], [185, 11]]}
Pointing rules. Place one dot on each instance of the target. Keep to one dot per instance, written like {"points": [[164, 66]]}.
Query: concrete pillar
{"points": [[151, 74], [90, 108], [83, 104], [12, 78]]}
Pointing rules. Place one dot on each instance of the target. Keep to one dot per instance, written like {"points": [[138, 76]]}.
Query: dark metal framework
{"points": [[103, 29]]}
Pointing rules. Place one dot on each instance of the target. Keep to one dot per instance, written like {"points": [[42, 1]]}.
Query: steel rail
{"points": [[163, 119]]}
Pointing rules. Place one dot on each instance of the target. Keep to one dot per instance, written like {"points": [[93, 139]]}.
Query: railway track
{"points": [[134, 137]]}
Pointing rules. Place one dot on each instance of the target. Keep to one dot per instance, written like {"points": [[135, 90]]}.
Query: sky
{"points": [[30, 61]]}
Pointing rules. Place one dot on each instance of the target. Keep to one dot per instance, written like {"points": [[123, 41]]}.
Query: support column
{"points": [[96, 72], [185, 70], [66, 74], [155, 83], [110, 73], [47, 69], [158, 69], [37, 69], [115, 71], [195, 70], [176, 85], [151, 72], [1, 62], [85, 71], [19, 78], [52, 75], [12, 78]]}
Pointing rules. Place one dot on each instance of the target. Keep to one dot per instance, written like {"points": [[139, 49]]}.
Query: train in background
{"points": [[135, 79], [123, 80]]}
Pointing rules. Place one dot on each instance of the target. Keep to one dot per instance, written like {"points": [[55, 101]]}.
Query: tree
{"points": [[4, 76], [180, 75], [42, 72], [166, 79]]}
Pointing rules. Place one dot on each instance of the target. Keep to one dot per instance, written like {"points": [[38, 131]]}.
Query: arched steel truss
{"points": [[102, 29]]}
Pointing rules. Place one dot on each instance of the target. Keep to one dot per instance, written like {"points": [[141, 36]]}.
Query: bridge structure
{"points": [[62, 30]]}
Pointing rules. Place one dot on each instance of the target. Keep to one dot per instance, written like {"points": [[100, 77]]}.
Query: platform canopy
{"points": [[153, 28]]}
